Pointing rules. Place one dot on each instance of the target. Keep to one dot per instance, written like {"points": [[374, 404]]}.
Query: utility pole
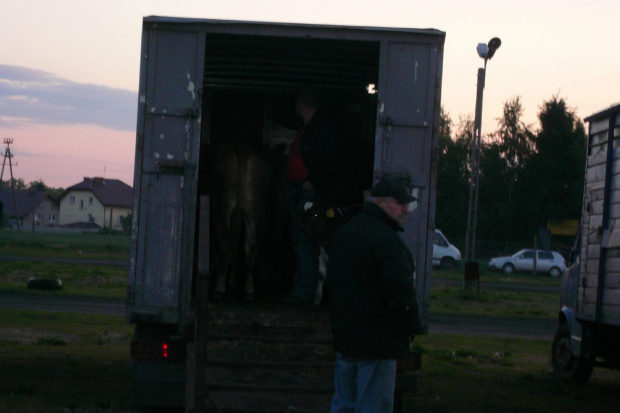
{"points": [[7, 154], [472, 269], [472, 211]]}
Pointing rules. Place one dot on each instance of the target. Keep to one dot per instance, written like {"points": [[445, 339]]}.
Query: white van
{"points": [[445, 255]]}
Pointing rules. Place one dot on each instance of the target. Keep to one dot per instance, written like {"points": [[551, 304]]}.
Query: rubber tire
{"points": [[447, 263], [44, 284], [508, 268], [568, 368], [553, 270]]}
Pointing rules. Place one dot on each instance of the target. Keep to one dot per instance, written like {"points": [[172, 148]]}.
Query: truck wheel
{"points": [[566, 366], [555, 272], [447, 263], [508, 268]]}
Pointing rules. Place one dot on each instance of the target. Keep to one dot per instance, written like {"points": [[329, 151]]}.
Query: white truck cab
{"points": [[445, 255]]}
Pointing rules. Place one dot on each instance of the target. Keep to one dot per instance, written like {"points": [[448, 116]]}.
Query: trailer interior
{"points": [[248, 98]]}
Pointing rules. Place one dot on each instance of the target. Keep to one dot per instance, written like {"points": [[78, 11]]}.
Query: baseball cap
{"points": [[394, 188]]}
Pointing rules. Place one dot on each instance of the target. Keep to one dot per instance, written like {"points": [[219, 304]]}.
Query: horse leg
{"points": [[224, 182], [323, 260], [252, 204], [223, 257], [250, 248]]}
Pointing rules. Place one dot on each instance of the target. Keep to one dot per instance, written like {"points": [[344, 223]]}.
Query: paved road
{"points": [[51, 301], [439, 323], [112, 263], [501, 286]]}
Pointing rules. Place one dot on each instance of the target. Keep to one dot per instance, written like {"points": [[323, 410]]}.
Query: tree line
{"points": [[528, 176], [36, 185]]}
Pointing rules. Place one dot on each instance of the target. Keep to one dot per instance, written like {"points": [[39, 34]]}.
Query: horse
{"points": [[236, 184]]}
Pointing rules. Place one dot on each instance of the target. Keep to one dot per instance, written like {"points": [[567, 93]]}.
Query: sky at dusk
{"points": [[69, 69]]}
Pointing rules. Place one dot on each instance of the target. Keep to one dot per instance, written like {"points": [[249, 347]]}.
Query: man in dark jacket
{"points": [[320, 172], [373, 301]]}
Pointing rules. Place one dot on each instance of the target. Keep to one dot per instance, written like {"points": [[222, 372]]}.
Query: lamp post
{"points": [[486, 52]]}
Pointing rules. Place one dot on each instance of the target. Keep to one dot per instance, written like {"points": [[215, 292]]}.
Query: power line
{"points": [[71, 167], [7, 154]]}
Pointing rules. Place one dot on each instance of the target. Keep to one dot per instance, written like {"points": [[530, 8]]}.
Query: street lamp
{"points": [[472, 270]]}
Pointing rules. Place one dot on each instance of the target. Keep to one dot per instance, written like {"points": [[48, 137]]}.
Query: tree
{"points": [[8, 184], [453, 176], [39, 185], [515, 138], [126, 223], [558, 166], [495, 218], [503, 160]]}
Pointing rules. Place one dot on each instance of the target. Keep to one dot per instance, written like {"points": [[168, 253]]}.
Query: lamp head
{"points": [[494, 44]]}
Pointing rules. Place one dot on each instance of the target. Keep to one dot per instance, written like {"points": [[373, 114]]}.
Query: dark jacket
{"points": [[370, 275], [328, 161]]}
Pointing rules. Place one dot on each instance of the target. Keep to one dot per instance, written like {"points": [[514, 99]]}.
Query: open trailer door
{"points": [[166, 175], [407, 124]]}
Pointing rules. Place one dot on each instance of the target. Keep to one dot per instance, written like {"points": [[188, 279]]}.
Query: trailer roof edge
{"points": [[186, 20], [603, 113]]}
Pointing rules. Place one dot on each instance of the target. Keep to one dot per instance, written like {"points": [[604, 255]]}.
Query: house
{"points": [[96, 201], [33, 209]]}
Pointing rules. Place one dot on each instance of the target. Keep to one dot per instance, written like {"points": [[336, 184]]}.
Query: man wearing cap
{"points": [[373, 301]]}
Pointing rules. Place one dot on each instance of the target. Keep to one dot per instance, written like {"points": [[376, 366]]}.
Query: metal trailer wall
{"points": [[172, 85], [599, 277]]}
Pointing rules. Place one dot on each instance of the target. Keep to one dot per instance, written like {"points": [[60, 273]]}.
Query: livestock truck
{"points": [[589, 319], [205, 83]]}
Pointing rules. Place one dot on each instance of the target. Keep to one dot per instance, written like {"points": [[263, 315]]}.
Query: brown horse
{"points": [[237, 181]]}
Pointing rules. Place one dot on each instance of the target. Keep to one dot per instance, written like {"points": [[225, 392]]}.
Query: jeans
{"points": [[306, 251], [364, 386]]}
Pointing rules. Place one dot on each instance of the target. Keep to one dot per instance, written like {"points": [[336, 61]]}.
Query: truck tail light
{"points": [[158, 350]]}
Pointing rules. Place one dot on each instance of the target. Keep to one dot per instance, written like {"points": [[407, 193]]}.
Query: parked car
{"points": [[445, 255], [550, 262]]}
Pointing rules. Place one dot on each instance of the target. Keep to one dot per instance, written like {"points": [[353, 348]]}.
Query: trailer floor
{"points": [[269, 357]]}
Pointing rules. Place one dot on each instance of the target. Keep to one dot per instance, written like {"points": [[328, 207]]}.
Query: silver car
{"points": [[550, 262]]}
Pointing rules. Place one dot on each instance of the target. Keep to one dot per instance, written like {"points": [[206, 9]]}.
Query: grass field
{"points": [[96, 246], [67, 362], [64, 362]]}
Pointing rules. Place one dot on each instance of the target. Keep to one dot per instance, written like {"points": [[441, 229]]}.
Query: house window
{"points": [[90, 200], [91, 218], [81, 204], [71, 200], [120, 220], [52, 218]]}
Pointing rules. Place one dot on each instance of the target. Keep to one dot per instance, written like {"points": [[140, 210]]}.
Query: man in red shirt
{"points": [[320, 171]]}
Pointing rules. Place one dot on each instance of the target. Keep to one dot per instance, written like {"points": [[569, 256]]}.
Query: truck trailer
{"points": [[589, 318], [205, 83]]}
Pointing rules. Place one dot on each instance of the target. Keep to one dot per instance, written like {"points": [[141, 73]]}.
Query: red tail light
{"points": [[156, 350]]}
